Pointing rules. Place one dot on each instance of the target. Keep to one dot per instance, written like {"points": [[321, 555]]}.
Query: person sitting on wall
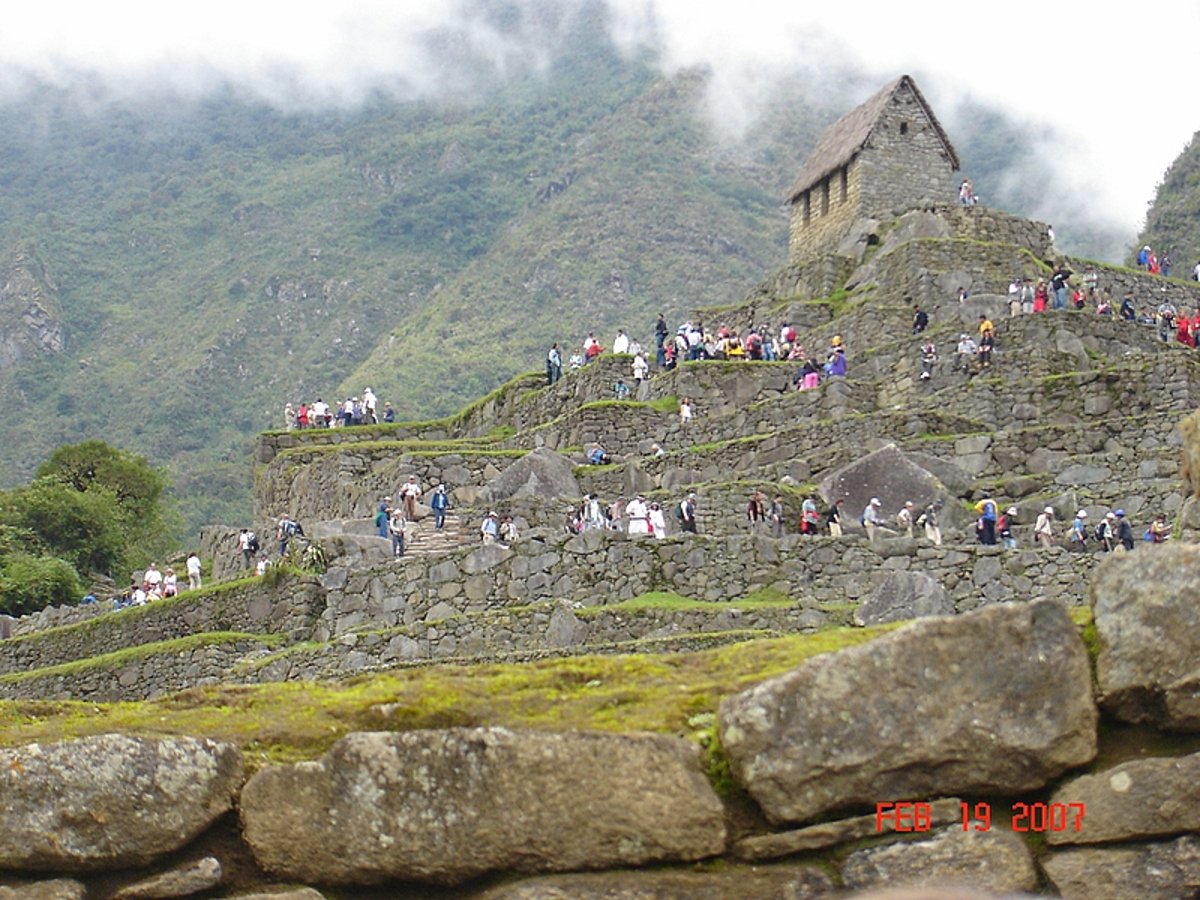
{"points": [[597, 456]]}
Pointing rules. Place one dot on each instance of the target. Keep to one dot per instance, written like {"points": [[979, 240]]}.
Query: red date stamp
{"points": [[916, 815]]}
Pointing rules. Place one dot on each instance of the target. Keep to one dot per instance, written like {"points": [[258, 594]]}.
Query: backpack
{"points": [[679, 511], [252, 542], [289, 528]]}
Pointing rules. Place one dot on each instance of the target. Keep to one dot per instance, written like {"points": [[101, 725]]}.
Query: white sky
{"points": [[1116, 81]]}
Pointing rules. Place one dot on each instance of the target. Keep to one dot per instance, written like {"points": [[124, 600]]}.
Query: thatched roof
{"points": [[839, 143]]}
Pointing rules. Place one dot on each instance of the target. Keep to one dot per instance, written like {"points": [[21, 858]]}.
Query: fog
{"points": [[1106, 92]]}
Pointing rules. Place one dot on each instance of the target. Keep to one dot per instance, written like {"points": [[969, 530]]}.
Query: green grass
{"points": [[299, 720], [669, 601]]}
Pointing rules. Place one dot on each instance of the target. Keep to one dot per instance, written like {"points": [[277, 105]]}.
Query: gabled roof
{"points": [[838, 143]]}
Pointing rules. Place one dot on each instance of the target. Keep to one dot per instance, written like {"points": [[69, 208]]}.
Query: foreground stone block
{"points": [[995, 861], [830, 834], [184, 881], [1147, 611], [111, 801], [447, 806], [997, 701], [56, 889], [1138, 799], [1164, 871], [796, 882]]}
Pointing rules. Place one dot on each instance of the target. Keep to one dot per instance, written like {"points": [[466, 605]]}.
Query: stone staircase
{"points": [[358, 540]]}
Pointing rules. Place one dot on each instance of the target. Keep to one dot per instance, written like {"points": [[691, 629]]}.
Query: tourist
{"points": [[776, 516], [872, 521], [508, 532], [621, 390], [596, 455], [382, 512], [929, 520], [920, 320], [756, 511], [489, 530], [289, 417], [260, 568], [1004, 528], [1159, 531], [810, 519], [621, 342], [193, 571], [1027, 297], [1124, 531], [1079, 531], [904, 519], [593, 513], [411, 493], [439, 503], [986, 526], [833, 517], [395, 527], [966, 354], [170, 584], [685, 411], [686, 513], [658, 522], [638, 515], [1043, 528], [1106, 532], [641, 368], [553, 364], [928, 360], [1058, 285]]}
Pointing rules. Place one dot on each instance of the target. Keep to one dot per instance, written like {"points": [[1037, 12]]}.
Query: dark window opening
{"points": [[904, 128], [845, 184]]}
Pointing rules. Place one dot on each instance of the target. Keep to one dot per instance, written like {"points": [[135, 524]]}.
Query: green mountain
{"points": [[174, 271], [1173, 220]]}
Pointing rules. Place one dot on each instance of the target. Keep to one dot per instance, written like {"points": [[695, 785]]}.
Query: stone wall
{"points": [[135, 679], [289, 607], [598, 568]]}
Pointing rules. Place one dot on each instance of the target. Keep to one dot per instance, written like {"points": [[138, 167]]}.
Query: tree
{"points": [[87, 529], [29, 583], [135, 483]]}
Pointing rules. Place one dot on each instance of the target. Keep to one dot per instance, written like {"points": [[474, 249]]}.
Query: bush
{"points": [[29, 583]]}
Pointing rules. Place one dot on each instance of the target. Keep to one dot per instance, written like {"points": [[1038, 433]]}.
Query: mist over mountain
{"points": [[179, 264]]}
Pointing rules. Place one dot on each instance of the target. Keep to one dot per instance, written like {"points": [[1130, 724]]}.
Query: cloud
{"points": [[1114, 86]]}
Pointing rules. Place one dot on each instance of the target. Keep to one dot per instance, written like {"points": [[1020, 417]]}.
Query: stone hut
{"points": [[886, 156]]}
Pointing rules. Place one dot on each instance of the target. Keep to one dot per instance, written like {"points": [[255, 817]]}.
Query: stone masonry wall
{"points": [[291, 607]]}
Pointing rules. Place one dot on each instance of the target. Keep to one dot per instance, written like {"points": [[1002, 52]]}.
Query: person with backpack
{"points": [[1004, 529], [1124, 531], [284, 533], [685, 512], [1078, 532], [986, 529], [382, 512], [248, 545]]}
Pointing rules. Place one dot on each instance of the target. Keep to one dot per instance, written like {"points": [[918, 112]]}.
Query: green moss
{"points": [[289, 721], [667, 600]]}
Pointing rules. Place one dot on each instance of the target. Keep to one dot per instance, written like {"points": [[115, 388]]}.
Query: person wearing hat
{"points": [[872, 521], [1079, 531], [929, 519], [904, 519], [1106, 532], [1124, 531], [1043, 528], [966, 353], [1004, 528], [489, 531]]}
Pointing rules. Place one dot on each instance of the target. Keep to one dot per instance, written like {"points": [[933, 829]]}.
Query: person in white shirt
{"points": [[369, 403], [153, 578], [638, 515], [193, 571], [641, 368], [658, 521], [620, 342]]}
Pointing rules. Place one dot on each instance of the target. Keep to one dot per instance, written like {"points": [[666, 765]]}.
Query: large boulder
{"points": [[110, 801], [541, 473], [890, 475], [997, 701], [1162, 871], [727, 882], [1138, 799], [450, 805], [995, 861], [1147, 611], [904, 595]]}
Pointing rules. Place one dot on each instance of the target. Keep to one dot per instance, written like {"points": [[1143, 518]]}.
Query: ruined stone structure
{"points": [[881, 159]]}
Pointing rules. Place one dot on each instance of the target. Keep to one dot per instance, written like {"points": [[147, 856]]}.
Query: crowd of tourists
{"points": [[357, 410]]}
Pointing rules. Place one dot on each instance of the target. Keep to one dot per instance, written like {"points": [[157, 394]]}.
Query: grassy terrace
{"points": [[675, 694]]}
